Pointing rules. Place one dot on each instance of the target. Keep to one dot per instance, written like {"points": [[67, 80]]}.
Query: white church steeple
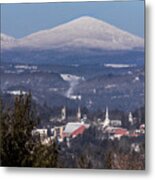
{"points": [[63, 113], [130, 118], [107, 120], [79, 114], [107, 114]]}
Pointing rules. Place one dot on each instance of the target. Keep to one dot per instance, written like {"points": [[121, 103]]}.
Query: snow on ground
{"points": [[16, 92], [69, 77], [75, 97], [53, 89], [73, 81], [110, 86], [121, 96], [9, 72], [136, 79], [25, 67], [119, 65]]}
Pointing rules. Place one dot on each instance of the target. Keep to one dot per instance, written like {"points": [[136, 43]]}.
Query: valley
{"points": [[93, 87]]}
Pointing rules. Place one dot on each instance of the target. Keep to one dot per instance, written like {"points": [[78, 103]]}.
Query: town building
{"points": [[58, 132], [63, 113], [73, 129], [130, 119], [113, 127], [79, 114], [110, 129], [41, 132], [107, 122]]}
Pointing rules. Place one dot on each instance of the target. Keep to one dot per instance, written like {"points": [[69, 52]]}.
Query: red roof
{"points": [[134, 135], [78, 131], [121, 131]]}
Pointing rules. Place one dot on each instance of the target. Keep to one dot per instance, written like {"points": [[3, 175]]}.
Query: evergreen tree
{"points": [[18, 147]]}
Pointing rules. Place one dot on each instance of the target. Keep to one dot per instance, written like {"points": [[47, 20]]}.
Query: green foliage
{"points": [[18, 147], [43, 156]]}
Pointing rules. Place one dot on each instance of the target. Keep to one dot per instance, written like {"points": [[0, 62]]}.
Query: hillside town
{"points": [[108, 129]]}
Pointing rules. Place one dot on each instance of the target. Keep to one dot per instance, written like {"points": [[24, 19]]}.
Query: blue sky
{"points": [[19, 20]]}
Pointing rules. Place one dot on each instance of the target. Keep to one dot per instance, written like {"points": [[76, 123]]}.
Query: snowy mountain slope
{"points": [[7, 41], [84, 32], [69, 77]]}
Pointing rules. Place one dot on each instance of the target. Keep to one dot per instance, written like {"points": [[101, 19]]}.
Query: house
{"points": [[142, 128], [41, 132], [116, 132], [73, 129], [119, 132], [58, 132], [116, 123]]}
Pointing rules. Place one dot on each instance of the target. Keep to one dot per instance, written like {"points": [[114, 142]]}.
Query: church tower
{"points": [[79, 114], [63, 113], [107, 120], [130, 118]]}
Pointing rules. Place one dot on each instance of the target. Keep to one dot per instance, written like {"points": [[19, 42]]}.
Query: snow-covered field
{"points": [[109, 86], [26, 67], [16, 92], [119, 65], [69, 77]]}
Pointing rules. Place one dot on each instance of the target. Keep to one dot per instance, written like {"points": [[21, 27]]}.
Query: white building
{"points": [[106, 122], [79, 114], [116, 123], [63, 113], [73, 129], [130, 119], [41, 132]]}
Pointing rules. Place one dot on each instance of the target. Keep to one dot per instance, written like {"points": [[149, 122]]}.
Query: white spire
{"points": [[130, 118], [107, 120], [107, 114], [63, 113], [79, 113]]}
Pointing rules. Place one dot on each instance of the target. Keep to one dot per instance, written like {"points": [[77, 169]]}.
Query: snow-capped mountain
{"points": [[7, 41], [84, 32]]}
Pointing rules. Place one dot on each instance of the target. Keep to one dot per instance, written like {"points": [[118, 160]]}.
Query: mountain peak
{"points": [[86, 19], [83, 32]]}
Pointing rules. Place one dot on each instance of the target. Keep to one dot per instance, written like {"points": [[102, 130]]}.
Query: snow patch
{"points": [[17, 92], [69, 77], [119, 65], [136, 79], [26, 67], [121, 96], [109, 86], [75, 97], [73, 81], [53, 89]]}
